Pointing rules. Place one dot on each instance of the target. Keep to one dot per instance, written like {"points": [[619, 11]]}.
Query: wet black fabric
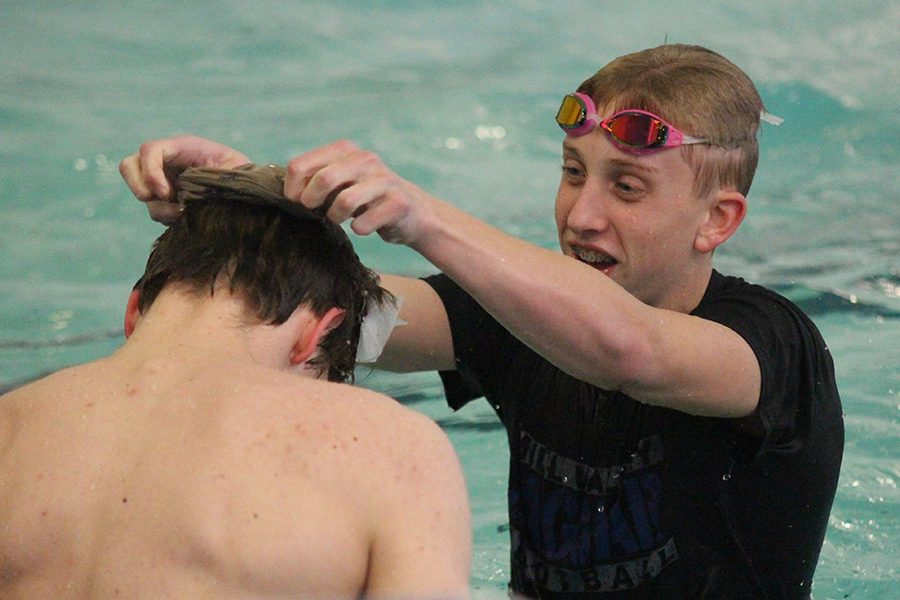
{"points": [[611, 497]]}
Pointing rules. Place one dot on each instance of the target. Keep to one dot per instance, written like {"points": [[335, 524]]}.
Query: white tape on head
{"points": [[376, 328], [770, 119]]}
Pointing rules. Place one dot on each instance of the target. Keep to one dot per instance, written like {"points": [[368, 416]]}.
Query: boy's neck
{"points": [[188, 327]]}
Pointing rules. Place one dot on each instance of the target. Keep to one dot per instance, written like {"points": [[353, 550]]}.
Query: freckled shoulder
{"points": [[385, 433], [380, 416]]}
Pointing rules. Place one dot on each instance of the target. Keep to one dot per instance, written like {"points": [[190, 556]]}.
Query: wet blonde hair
{"points": [[701, 93]]}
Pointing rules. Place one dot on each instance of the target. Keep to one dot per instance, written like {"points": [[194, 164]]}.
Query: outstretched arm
{"points": [[576, 318]]}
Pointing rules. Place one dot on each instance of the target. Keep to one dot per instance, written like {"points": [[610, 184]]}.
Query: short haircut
{"points": [[275, 257], [700, 92]]}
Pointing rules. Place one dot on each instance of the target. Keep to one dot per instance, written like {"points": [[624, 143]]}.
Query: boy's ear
{"points": [[312, 332], [726, 212], [132, 312]]}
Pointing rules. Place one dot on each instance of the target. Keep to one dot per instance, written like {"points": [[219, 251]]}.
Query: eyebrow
{"points": [[620, 163], [633, 164]]}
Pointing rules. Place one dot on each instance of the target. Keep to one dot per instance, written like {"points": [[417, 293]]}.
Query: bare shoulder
{"points": [[36, 411], [414, 494], [367, 446], [46, 388], [343, 426], [376, 424]]}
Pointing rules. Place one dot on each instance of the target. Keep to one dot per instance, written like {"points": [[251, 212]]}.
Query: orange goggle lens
{"points": [[637, 130], [572, 112]]}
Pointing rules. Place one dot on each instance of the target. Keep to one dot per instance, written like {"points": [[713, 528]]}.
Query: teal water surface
{"points": [[459, 97]]}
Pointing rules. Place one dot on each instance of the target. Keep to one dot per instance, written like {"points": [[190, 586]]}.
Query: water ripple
{"points": [[823, 302]]}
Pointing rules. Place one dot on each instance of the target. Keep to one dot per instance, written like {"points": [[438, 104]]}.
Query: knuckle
{"points": [[155, 180], [148, 146], [294, 167], [393, 186], [368, 158], [346, 146], [338, 205], [325, 181], [348, 198], [387, 180]]}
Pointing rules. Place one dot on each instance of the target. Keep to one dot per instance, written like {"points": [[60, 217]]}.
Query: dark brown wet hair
{"points": [[274, 254]]}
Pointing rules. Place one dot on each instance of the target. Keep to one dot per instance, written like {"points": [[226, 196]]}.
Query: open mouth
{"points": [[599, 260]]}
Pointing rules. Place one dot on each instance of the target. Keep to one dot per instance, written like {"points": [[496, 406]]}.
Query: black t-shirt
{"points": [[609, 495]]}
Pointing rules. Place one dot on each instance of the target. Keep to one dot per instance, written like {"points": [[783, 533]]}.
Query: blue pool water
{"points": [[459, 97]]}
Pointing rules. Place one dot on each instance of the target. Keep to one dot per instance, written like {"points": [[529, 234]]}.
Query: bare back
{"points": [[230, 481]]}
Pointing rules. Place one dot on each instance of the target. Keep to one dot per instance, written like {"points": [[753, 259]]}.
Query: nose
{"points": [[588, 213]]}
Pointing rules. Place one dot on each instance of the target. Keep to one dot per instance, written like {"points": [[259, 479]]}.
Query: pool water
{"points": [[460, 97]]}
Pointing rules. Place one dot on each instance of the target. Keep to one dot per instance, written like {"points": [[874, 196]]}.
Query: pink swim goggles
{"points": [[632, 129]]}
